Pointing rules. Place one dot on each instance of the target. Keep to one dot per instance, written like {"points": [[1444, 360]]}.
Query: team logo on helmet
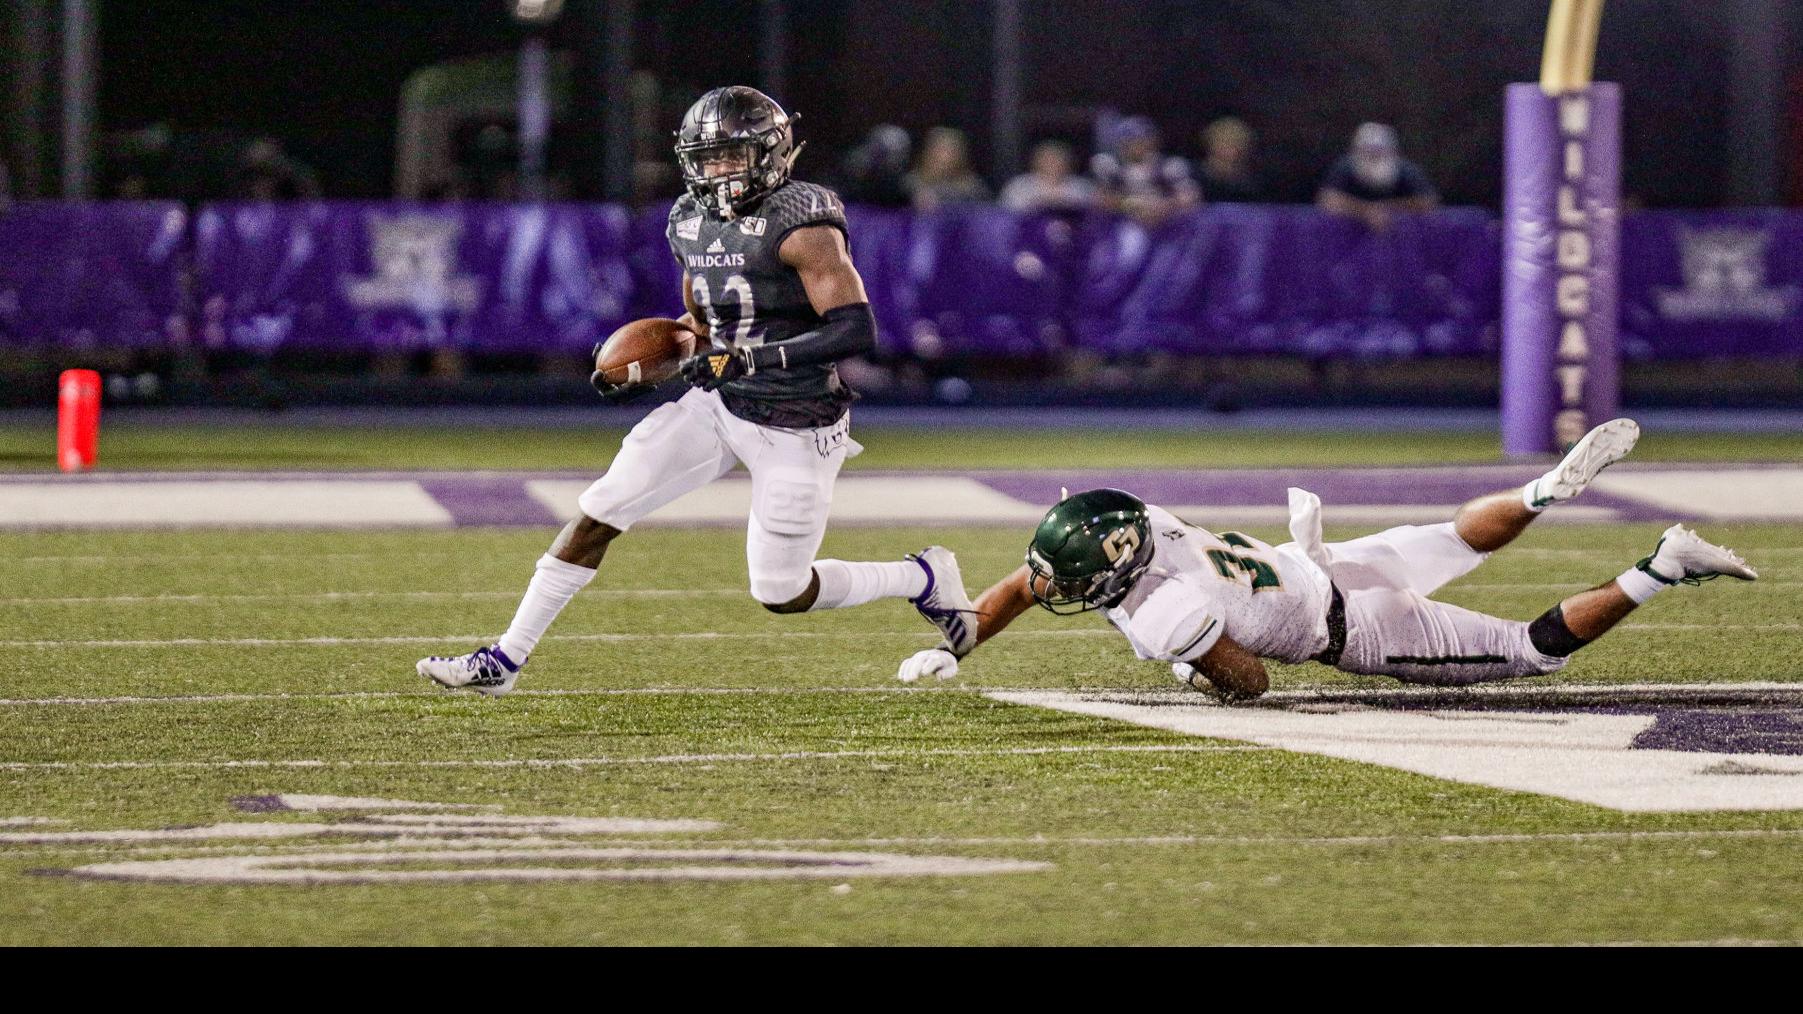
{"points": [[1089, 550], [1120, 545]]}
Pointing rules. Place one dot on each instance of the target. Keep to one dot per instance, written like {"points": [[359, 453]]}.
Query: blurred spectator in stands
{"points": [[873, 171], [1052, 185], [1226, 169], [134, 164], [1137, 180], [1373, 181], [943, 175], [131, 186], [453, 187], [6, 187], [266, 173]]}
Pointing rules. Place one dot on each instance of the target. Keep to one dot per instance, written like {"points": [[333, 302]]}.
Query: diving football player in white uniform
{"points": [[1216, 605], [766, 265]]}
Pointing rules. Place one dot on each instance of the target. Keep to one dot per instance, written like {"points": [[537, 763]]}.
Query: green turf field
{"points": [[789, 732], [159, 446]]}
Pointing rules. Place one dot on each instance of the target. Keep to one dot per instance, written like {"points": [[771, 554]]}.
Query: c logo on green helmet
{"points": [[1120, 545]]}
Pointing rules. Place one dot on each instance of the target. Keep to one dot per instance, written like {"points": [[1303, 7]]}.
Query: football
{"points": [[645, 351]]}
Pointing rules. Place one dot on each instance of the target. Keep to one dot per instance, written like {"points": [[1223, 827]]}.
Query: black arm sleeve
{"points": [[845, 331]]}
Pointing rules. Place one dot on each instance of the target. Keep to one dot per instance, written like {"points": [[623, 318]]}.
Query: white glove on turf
{"points": [[931, 662]]}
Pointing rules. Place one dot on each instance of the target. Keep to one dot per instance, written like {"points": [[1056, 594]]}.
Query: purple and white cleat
{"points": [[944, 603], [487, 671]]}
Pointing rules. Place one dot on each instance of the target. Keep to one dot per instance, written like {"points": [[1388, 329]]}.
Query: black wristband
{"points": [[766, 357]]}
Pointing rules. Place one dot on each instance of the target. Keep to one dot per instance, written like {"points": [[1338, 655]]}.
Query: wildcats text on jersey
{"points": [[731, 260]]}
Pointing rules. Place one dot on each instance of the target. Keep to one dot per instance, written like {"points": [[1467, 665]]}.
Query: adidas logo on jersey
{"points": [[717, 247]]}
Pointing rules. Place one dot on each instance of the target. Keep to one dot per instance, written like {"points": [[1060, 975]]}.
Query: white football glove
{"points": [[1186, 675], [931, 662]]}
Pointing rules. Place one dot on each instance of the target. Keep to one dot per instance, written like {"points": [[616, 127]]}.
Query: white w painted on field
{"points": [[1582, 750], [400, 841]]}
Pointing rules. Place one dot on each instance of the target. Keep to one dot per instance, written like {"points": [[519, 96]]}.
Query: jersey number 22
{"points": [[738, 327]]}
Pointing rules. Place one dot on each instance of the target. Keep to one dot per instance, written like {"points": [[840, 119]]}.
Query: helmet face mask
{"points": [[1064, 596], [743, 130], [702, 163], [1088, 551]]}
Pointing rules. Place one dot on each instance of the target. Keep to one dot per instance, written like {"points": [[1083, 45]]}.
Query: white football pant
{"points": [[1394, 629], [686, 444]]}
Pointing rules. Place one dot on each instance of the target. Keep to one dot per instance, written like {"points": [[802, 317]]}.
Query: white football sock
{"points": [[853, 584], [1638, 585], [1530, 493], [553, 585]]}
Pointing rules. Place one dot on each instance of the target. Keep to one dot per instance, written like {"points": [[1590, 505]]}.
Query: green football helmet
{"points": [[1088, 551]]}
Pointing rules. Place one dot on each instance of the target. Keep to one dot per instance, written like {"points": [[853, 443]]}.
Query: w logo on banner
{"points": [[415, 261], [1725, 278]]}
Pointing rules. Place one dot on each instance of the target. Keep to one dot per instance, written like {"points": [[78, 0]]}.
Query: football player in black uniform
{"points": [[768, 276]]}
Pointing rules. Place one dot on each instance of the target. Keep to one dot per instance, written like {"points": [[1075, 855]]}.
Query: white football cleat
{"points": [[487, 671], [944, 603], [1599, 449], [1683, 553]]}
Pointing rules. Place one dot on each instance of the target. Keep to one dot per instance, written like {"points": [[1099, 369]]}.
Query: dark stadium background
{"points": [[1714, 119], [324, 76]]}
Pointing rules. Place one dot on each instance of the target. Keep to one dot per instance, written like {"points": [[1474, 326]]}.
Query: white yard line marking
{"points": [[253, 502], [449, 639], [1712, 626], [1570, 586], [1578, 692], [332, 596], [225, 557], [693, 635], [514, 593], [1723, 495], [1724, 942], [443, 694], [984, 841], [637, 593], [682, 758], [890, 499], [1754, 553], [510, 863], [1575, 837]]}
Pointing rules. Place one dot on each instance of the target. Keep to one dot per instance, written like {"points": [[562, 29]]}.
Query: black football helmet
{"points": [[738, 120]]}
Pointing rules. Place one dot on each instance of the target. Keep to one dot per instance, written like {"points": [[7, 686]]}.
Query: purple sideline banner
{"points": [[81, 275], [1712, 283], [971, 281], [388, 276], [1240, 279]]}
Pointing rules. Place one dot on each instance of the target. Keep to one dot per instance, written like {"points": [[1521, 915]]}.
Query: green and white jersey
{"points": [[1271, 599]]}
